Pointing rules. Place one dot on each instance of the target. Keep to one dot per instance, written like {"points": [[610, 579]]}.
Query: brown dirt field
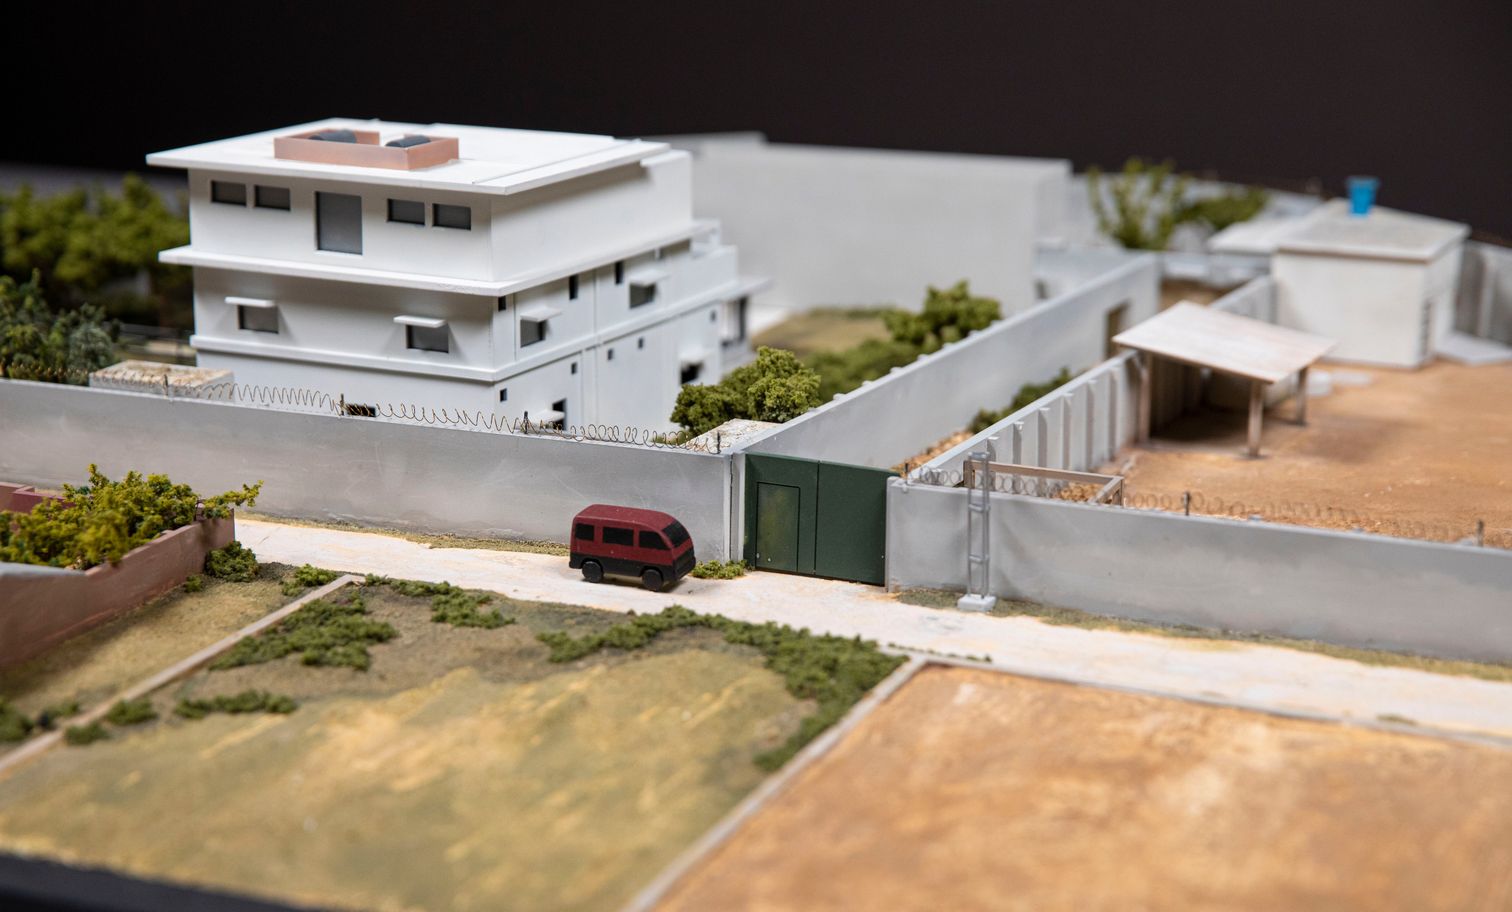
{"points": [[1421, 453], [1176, 290], [824, 329], [970, 789]]}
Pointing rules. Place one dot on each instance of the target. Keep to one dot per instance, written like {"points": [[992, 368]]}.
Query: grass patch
{"points": [[194, 583], [833, 671], [14, 724], [324, 632], [308, 577], [1072, 617], [80, 735], [717, 569], [131, 712], [248, 701], [232, 563], [449, 604]]}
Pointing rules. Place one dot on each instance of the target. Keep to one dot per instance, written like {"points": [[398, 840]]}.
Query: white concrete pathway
{"points": [[1261, 676]]}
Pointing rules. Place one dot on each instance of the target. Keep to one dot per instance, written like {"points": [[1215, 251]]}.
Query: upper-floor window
{"points": [[271, 197], [255, 314], [228, 192], [619, 272], [572, 288], [428, 338], [338, 222], [409, 212], [452, 216], [641, 295]]}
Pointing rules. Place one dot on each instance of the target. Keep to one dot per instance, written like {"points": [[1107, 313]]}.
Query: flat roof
{"points": [[493, 160], [1226, 342], [1330, 230]]}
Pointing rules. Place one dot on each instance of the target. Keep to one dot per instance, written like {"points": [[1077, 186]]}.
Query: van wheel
{"points": [[651, 578], [593, 571]]}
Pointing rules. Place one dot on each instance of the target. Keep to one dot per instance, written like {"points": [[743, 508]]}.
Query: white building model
{"points": [[472, 268]]}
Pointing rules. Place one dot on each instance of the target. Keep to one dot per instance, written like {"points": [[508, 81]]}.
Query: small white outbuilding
{"points": [[1381, 284]]}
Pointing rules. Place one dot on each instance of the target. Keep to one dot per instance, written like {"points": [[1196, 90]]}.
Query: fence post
{"points": [[978, 536], [1186, 503]]}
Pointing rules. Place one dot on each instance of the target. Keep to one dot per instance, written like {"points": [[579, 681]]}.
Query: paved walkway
{"points": [[1261, 676]]}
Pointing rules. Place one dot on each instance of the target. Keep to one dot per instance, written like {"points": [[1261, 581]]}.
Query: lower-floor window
{"points": [[532, 331], [257, 319]]}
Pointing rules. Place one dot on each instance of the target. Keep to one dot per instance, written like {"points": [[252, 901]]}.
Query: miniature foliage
{"points": [[1230, 208], [40, 343], [88, 238], [194, 583], [104, 519], [449, 604], [833, 671], [308, 577], [1027, 394], [80, 735], [248, 701], [717, 569], [131, 712], [324, 632], [14, 725], [949, 315], [774, 387], [1148, 203], [234, 562]]}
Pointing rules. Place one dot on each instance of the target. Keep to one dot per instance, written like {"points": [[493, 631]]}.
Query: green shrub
{"points": [[717, 569], [79, 735], [248, 701], [1147, 204], [1230, 208], [1028, 393], [14, 725], [833, 671], [63, 709], [131, 712], [234, 563], [104, 519], [842, 371], [39, 343], [775, 387], [322, 633], [194, 583], [308, 577]]}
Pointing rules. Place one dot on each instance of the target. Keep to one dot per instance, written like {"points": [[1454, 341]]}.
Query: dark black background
{"points": [[1418, 93]]}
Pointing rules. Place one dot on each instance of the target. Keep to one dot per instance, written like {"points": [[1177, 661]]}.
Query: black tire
{"points": [[652, 579], [593, 571]]}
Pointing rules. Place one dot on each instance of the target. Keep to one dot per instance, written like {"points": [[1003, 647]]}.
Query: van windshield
{"points": [[676, 534]]}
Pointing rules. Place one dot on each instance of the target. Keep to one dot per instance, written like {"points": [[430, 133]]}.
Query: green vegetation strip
{"points": [[248, 701], [833, 671], [308, 577], [324, 632], [80, 735], [1072, 617], [233, 563], [717, 569], [131, 712], [449, 604]]}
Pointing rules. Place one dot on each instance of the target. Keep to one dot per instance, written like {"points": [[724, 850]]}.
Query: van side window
{"points": [[583, 532], [616, 536], [652, 540]]}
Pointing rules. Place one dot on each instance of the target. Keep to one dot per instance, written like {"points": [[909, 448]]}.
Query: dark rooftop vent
{"points": [[404, 142], [346, 136]]}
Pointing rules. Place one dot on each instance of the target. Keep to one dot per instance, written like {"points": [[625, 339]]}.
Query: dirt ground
{"points": [[462, 771], [102, 662], [1421, 453], [972, 789], [824, 329]]}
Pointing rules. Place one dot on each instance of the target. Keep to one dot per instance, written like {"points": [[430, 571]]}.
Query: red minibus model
{"points": [[628, 541]]}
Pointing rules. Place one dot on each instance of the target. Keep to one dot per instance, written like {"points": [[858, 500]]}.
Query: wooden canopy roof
{"points": [[1245, 347]]}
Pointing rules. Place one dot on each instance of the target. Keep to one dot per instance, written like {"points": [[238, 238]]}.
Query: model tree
{"points": [[775, 387], [39, 343], [1148, 203]]}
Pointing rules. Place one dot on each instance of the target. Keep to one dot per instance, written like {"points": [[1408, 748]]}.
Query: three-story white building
{"points": [[457, 267]]}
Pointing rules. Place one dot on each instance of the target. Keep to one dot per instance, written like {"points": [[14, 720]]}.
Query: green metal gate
{"points": [[817, 518]]}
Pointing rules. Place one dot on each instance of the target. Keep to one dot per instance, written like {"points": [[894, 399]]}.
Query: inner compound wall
{"points": [[361, 470]]}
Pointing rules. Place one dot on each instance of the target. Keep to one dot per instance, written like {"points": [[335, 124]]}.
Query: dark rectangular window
{"points": [[504, 394], [652, 540], [572, 288], [227, 192], [503, 303], [452, 217], [613, 535], [583, 532], [690, 373], [641, 295], [677, 533], [257, 319], [619, 273], [272, 197], [560, 406], [410, 212], [532, 331], [338, 222], [426, 338], [574, 367]]}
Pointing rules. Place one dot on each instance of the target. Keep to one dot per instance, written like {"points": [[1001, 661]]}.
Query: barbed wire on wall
{"points": [[320, 402], [1196, 503]]}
